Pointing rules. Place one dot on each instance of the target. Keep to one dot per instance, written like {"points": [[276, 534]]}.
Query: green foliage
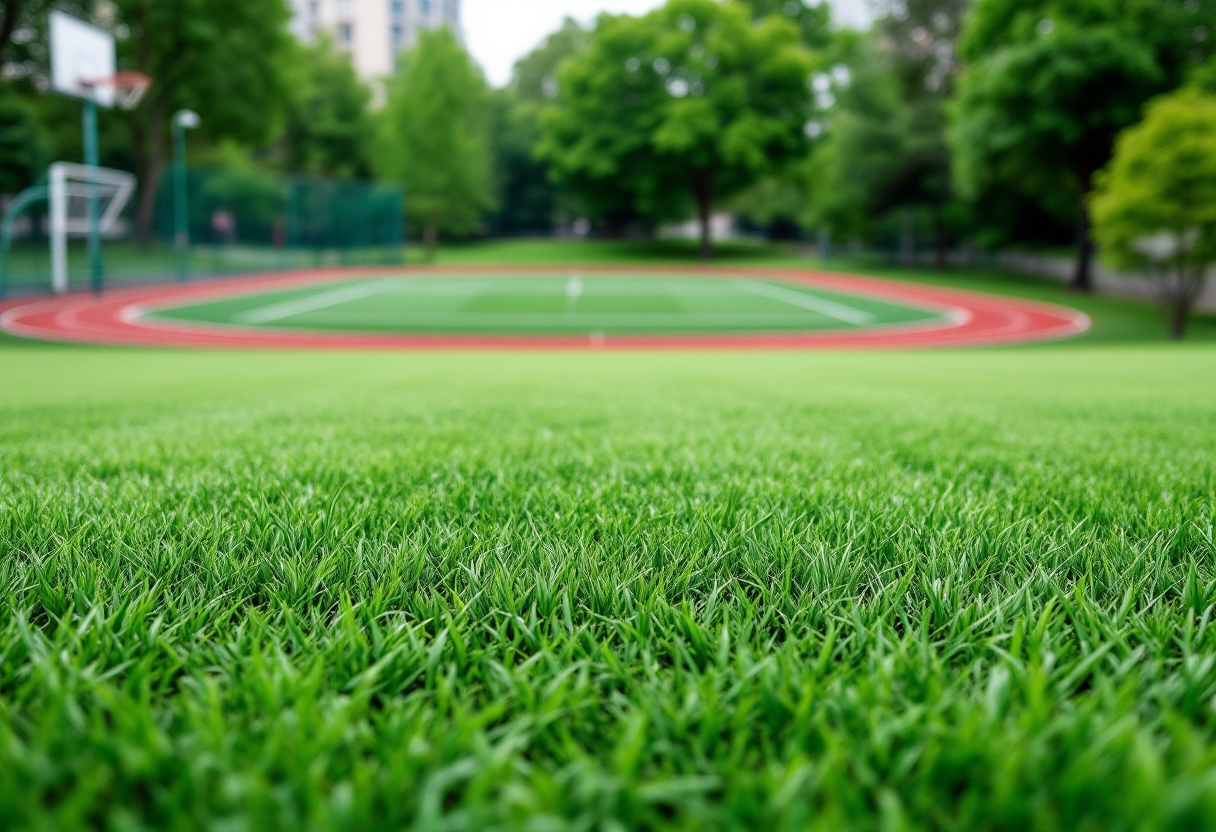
{"points": [[535, 76], [434, 136], [886, 147], [1155, 205], [673, 591], [814, 18], [695, 99], [1049, 84], [226, 59], [776, 202], [1046, 113], [1204, 76], [529, 201], [1178, 33], [23, 147], [329, 129], [23, 33], [255, 198]]}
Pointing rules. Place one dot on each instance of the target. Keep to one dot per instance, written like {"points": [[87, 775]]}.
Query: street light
{"points": [[183, 120]]}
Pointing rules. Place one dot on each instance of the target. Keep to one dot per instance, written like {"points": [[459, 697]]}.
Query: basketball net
{"points": [[128, 88]]}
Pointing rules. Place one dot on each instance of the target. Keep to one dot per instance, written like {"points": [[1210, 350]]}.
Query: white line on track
{"points": [[581, 319], [312, 303], [824, 307]]}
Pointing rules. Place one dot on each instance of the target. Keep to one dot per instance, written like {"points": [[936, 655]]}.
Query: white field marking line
{"points": [[574, 291], [824, 307], [552, 319], [313, 303]]}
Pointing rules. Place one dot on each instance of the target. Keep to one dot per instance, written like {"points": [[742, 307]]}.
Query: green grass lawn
{"points": [[945, 590]]}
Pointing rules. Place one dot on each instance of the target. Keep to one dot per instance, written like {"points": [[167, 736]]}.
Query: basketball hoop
{"points": [[128, 88]]}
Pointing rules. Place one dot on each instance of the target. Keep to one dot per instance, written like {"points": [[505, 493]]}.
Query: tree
{"points": [[225, 59], [529, 199], [1155, 204], [329, 129], [888, 129], [434, 138], [23, 28], [23, 150], [694, 100], [24, 39], [814, 19], [1049, 84], [534, 77]]}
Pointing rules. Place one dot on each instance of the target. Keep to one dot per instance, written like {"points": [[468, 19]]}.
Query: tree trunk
{"points": [[703, 187], [150, 149], [430, 238], [8, 25], [907, 239], [1083, 278], [1179, 309], [941, 243]]}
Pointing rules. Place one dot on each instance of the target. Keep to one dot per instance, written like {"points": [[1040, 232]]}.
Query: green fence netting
{"points": [[239, 222]]}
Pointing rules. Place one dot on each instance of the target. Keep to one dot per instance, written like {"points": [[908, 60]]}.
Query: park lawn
{"points": [[926, 590]]}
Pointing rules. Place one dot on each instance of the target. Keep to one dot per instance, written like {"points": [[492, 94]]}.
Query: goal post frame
{"points": [[63, 182]]}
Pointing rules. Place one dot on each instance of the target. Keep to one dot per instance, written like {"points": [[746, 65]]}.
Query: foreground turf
{"points": [[795, 591]]}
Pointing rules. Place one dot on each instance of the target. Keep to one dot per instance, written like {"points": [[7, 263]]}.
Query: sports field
{"points": [[282, 590], [567, 304], [565, 307]]}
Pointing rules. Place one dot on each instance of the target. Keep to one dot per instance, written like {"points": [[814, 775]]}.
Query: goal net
{"points": [[58, 210], [73, 190]]}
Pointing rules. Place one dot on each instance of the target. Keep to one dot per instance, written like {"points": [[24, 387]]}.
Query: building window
{"points": [[398, 37], [424, 7], [346, 32], [397, 7]]}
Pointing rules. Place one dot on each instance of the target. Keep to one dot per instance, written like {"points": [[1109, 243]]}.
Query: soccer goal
{"points": [[84, 200], [70, 191]]}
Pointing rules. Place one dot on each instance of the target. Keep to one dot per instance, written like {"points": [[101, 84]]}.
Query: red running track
{"points": [[117, 318]]}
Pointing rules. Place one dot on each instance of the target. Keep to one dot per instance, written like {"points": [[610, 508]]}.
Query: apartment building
{"points": [[374, 32]]}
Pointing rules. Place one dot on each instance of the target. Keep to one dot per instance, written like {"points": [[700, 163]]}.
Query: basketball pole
{"points": [[91, 161]]}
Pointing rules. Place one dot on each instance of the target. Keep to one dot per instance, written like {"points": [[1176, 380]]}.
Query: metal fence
{"points": [[238, 222]]}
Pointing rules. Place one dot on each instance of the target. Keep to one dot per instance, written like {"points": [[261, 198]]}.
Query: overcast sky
{"points": [[500, 32]]}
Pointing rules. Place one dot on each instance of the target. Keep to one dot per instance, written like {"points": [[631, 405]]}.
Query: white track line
{"points": [[824, 307], [580, 319], [279, 311]]}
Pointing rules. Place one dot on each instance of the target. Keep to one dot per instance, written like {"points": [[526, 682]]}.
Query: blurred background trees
{"points": [[946, 126], [685, 106], [530, 201], [1155, 208], [328, 128], [434, 139], [1049, 85]]}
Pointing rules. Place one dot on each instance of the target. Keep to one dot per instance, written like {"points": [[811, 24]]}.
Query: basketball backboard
{"points": [[81, 56]]}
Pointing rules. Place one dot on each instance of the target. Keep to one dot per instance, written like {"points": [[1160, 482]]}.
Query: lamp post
{"points": [[183, 120], [91, 155]]}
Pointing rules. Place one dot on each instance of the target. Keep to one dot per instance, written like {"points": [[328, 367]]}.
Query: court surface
{"points": [[549, 307]]}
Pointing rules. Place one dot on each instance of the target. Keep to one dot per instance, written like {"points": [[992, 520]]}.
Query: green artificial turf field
{"points": [[522, 304], [361, 591]]}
